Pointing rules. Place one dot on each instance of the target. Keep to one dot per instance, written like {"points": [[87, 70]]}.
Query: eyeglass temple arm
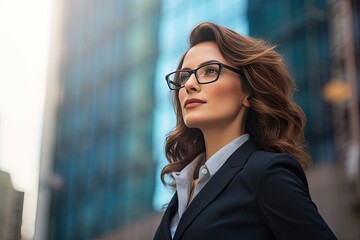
{"points": [[237, 71]]}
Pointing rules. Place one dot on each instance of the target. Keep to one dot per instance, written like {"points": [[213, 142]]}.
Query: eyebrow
{"points": [[202, 64]]}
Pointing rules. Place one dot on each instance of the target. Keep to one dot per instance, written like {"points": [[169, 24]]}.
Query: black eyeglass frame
{"points": [[221, 65]]}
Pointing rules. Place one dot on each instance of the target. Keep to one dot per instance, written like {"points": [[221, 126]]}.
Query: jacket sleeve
{"points": [[285, 203]]}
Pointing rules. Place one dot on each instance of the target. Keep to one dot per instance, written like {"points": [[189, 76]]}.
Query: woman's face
{"points": [[216, 104]]}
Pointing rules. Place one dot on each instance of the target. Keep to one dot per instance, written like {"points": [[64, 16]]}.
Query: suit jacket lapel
{"points": [[215, 185], [164, 227]]}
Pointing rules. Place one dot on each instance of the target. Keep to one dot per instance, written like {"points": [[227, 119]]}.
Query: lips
{"points": [[193, 102]]}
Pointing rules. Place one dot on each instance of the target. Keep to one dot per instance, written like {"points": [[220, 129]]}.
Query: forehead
{"points": [[202, 52]]}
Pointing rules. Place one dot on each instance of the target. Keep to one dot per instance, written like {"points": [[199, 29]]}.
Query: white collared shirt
{"points": [[184, 179]]}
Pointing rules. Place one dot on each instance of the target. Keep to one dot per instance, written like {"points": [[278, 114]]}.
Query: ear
{"points": [[245, 101]]}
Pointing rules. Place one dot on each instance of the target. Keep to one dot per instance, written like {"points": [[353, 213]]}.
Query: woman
{"points": [[236, 155]]}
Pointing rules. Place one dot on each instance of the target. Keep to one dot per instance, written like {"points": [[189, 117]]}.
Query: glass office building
{"points": [[300, 29], [102, 166], [115, 110]]}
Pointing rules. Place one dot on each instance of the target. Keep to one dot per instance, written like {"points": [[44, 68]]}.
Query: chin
{"points": [[193, 123], [198, 122]]}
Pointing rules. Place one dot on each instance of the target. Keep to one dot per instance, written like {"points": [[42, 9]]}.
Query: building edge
{"points": [[52, 99]]}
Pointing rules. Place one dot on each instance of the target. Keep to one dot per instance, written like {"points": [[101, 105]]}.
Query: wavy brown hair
{"points": [[274, 120]]}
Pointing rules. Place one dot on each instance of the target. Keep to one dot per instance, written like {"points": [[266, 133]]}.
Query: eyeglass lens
{"points": [[204, 74]]}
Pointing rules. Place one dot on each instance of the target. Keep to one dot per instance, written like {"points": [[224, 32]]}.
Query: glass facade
{"points": [[178, 17], [102, 159], [355, 7], [300, 29], [116, 109]]}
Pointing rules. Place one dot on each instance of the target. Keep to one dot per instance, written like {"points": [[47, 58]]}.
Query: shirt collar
{"points": [[187, 173], [219, 158], [212, 164]]}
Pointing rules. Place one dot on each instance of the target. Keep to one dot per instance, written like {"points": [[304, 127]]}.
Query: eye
{"points": [[210, 71], [183, 77]]}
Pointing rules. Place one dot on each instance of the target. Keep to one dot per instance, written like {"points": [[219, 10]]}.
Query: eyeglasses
{"points": [[204, 74]]}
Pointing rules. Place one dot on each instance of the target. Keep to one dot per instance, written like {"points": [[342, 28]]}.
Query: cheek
{"points": [[227, 95], [181, 95]]}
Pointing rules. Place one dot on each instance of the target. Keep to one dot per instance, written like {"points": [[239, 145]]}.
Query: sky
{"points": [[24, 48]]}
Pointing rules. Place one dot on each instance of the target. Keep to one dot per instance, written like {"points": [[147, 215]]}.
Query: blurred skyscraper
{"points": [[320, 40], [104, 134], [345, 75], [11, 208], [99, 174], [110, 119], [304, 32], [300, 29]]}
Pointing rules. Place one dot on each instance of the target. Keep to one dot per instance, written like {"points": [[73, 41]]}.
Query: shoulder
{"points": [[263, 166], [266, 159], [278, 185]]}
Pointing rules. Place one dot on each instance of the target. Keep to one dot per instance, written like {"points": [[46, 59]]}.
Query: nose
{"points": [[192, 84]]}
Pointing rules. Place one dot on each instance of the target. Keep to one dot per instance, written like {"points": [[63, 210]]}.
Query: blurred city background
{"points": [[84, 107]]}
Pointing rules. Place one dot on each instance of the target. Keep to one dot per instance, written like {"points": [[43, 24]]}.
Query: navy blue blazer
{"points": [[255, 195]]}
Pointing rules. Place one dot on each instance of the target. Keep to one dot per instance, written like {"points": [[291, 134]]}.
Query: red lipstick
{"points": [[193, 102]]}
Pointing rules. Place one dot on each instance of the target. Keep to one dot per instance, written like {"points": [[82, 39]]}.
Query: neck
{"points": [[216, 138]]}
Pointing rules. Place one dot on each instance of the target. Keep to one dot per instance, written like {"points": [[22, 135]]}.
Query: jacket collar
{"points": [[163, 231], [211, 190], [216, 184]]}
